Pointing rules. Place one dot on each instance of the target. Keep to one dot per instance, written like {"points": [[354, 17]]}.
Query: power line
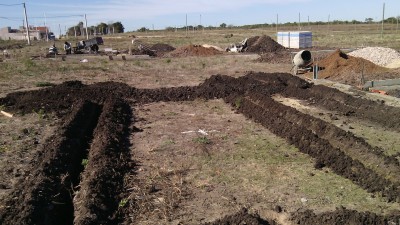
{"points": [[46, 17], [11, 4], [7, 18]]}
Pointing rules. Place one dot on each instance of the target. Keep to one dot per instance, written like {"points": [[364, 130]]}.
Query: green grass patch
{"points": [[44, 84], [202, 140]]}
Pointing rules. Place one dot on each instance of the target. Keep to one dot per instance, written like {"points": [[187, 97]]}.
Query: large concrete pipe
{"points": [[301, 59]]}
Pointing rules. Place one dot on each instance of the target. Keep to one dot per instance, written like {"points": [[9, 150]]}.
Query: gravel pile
{"points": [[378, 55]]}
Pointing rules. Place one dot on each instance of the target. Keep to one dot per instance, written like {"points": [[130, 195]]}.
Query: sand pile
{"points": [[341, 67], [263, 44], [378, 55], [193, 50]]}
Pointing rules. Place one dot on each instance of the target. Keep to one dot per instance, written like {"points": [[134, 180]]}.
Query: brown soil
{"points": [[80, 172], [193, 50], [282, 56], [339, 66]]}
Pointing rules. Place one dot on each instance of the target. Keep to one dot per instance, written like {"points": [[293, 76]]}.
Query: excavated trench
{"points": [[46, 196], [95, 130]]}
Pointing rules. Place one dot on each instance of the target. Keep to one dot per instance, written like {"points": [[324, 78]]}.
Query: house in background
{"points": [[35, 33]]}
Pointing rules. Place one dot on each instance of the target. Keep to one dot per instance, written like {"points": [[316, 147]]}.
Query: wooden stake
{"points": [[6, 114]]}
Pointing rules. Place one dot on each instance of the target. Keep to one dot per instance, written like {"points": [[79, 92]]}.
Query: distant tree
{"points": [[391, 20], [223, 25], [78, 28], [369, 20], [102, 28], [143, 29], [171, 29], [118, 27]]}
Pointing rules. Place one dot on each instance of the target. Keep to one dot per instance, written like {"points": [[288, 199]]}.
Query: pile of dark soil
{"points": [[341, 67], [270, 51], [95, 130], [343, 216], [161, 48], [242, 217], [263, 44], [193, 50]]}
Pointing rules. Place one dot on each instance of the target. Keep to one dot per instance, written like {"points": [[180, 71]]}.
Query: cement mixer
{"points": [[301, 62]]}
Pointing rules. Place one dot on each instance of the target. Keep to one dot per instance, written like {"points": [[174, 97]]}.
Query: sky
{"points": [[159, 14]]}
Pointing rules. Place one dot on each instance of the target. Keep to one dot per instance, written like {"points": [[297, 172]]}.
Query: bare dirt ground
{"points": [[136, 143]]}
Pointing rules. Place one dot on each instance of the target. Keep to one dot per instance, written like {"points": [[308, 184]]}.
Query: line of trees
{"points": [[392, 20], [100, 29]]}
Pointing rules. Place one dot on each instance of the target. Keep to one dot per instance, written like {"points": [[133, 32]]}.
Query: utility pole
{"points": [[87, 34], [59, 27], [200, 23], [186, 27], [383, 18], [27, 25], [299, 22], [277, 20], [329, 18], [45, 26]]}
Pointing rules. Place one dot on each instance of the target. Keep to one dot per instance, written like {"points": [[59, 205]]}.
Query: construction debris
{"points": [[6, 114]]}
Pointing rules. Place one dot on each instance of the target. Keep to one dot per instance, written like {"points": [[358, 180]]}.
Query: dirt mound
{"points": [[193, 50], [343, 216], [242, 217], [94, 138], [341, 67], [161, 48], [263, 44], [270, 51]]}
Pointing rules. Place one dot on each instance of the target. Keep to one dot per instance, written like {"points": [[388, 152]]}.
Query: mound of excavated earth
{"points": [[261, 44], [162, 49], [193, 50], [344, 68], [270, 51], [78, 175]]}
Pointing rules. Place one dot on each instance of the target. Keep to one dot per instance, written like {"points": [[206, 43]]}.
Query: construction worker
{"points": [[67, 48], [53, 49]]}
